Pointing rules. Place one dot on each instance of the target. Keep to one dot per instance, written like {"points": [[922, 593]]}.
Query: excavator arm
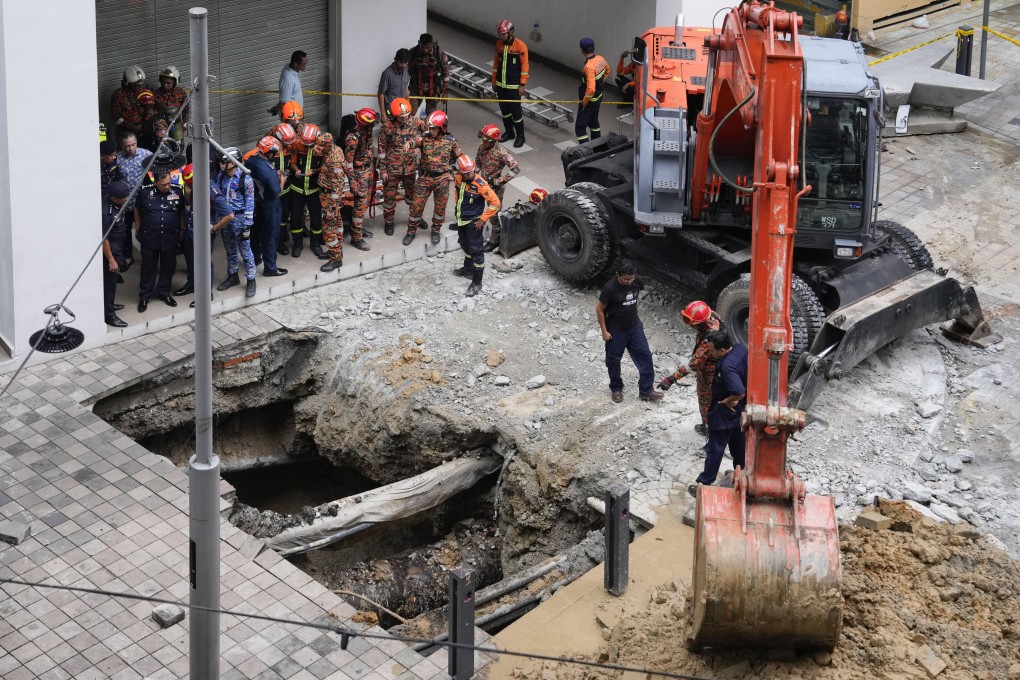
{"points": [[766, 567]]}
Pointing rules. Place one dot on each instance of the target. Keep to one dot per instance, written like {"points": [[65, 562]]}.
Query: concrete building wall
{"points": [[49, 202]]}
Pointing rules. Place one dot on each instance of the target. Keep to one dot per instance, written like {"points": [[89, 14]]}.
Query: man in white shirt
{"points": [[290, 81]]}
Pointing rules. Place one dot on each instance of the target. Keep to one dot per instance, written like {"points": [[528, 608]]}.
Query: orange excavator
{"points": [[766, 564]]}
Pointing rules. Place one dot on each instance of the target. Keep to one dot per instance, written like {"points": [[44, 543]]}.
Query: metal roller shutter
{"points": [[249, 42]]}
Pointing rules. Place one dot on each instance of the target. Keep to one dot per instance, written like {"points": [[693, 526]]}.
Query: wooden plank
{"points": [[869, 14]]}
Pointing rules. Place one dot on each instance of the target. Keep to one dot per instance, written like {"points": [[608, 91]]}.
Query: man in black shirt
{"points": [[114, 230], [622, 330]]}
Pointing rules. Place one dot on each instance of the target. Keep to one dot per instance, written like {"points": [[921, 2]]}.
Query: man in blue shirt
{"points": [[290, 81], [729, 392]]}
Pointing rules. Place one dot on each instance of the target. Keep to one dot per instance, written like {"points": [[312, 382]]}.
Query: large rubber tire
{"points": [[573, 235], [573, 153], [591, 190], [807, 316], [907, 245]]}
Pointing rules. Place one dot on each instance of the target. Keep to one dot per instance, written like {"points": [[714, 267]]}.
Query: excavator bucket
{"points": [[766, 573]]}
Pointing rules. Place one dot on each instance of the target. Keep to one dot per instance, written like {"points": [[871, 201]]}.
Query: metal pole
{"points": [[617, 565], [984, 39], [461, 661], [204, 467], [964, 49]]}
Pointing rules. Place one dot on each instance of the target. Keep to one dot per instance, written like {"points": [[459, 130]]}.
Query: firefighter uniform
{"points": [[304, 193], [476, 204], [437, 155], [510, 72], [397, 163], [593, 79], [702, 364], [361, 174], [126, 110], [331, 183], [491, 159]]}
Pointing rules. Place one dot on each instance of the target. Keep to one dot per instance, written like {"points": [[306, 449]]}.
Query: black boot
{"points": [[507, 136], [249, 291], [408, 237], [468, 270], [331, 265], [476, 283], [436, 238], [316, 246], [360, 244], [388, 229], [229, 282], [282, 249], [490, 246], [299, 243], [367, 233]]}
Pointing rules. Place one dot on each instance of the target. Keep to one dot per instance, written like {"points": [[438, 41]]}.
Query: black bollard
{"points": [[964, 49], [617, 538]]}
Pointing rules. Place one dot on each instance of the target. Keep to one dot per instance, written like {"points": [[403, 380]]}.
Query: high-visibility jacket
{"points": [[510, 66], [307, 163], [475, 200], [593, 78]]}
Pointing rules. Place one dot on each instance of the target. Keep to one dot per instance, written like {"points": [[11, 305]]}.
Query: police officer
{"points": [[239, 190], [109, 171], [114, 229], [509, 77], [159, 225], [267, 206], [476, 204]]}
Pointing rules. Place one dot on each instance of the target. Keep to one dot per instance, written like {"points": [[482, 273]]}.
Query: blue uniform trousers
{"points": [[636, 344], [238, 248]]}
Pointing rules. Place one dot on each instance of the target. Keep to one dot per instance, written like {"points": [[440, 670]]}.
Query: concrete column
{"points": [[368, 35], [49, 179]]}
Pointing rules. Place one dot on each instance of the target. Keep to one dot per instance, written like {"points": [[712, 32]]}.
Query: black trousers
{"points": [[513, 114], [587, 119], [297, 204], [472, 242], [159, 260]]}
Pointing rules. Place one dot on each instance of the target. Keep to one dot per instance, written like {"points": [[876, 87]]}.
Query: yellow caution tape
{"points": [[1004, 37], [524, 102], [909, 49]]}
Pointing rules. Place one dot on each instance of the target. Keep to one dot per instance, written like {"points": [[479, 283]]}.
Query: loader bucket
{"points": [[766, 572]]}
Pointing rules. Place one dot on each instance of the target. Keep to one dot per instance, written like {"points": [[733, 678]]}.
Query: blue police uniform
{"points": [[161, 224], [265, 231], [724, 424], [218, 210], [239, 192], [117, 229]]}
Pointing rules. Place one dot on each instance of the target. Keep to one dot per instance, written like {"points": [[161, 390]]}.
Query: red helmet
{"points": [[145, 98], [285, 133], [400, 107], [366, 116], [292, 111], [696, 312], [465, 164], [490, 131], [268, 145], [188, 173], [538, 195], [437, 119], [505, 26], [310, 134]]}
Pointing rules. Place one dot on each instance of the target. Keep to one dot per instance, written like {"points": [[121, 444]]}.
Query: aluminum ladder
{"points": [[475, 81]]}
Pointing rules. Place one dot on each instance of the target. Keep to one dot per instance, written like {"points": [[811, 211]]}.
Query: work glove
{"points": [[666, 383]]}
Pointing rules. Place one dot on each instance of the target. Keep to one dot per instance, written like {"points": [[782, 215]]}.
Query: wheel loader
{"points": [[753, 182]]}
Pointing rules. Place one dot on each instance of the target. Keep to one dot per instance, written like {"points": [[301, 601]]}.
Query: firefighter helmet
{"points": [[145, 98], [465, 164], [696, 312], [134, 75], [538, 195], [171, 72], [437, 119], [188, 173], [366, 116], [268, 145], [285, 133], [400, 107], [490, 131], [505, 26], [309, 134], [292, 111]]}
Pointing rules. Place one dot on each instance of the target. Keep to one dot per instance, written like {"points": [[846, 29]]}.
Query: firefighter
{"points": [[593, 80], [361, 172], [396, 165], [304, 187], [170, 98], [331, 183], [292, 113], [509, 77], [625, 78], [490, 159], [127, 114], [699, 316], [476, 204], [439, 150]]}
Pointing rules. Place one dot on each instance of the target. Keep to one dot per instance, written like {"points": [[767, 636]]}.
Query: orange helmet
{"points": [[400, 107], [310, 134], [538, 195], [285, 133], [188, 173], [268, 145], [292, 111], [696, 312], [366, 116], [465, 164], [145, 98], [437, 119], [490, 131], [505, 26]]}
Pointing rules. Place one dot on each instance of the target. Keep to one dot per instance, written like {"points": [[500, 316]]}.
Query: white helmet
{"points": [[134, 75], [171, 72], [231, 154]]}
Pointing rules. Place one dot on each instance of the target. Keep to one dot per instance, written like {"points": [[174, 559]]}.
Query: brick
{"points": [[167, 615], [873, 520], [14, 532], [740, 670]]}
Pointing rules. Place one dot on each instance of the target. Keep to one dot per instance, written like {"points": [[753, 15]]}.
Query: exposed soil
{"points": [[921, 589]]}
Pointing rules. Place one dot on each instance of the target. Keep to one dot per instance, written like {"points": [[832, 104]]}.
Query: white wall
{"points": [[611, 23], [371, 31], [49, 204], [696, 12]]}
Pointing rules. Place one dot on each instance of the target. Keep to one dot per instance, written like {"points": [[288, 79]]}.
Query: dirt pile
{"points": [[923, 599]]}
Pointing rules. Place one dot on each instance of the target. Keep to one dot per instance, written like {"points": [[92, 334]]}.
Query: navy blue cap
{"points": [[119, 189], [587, 44]]}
